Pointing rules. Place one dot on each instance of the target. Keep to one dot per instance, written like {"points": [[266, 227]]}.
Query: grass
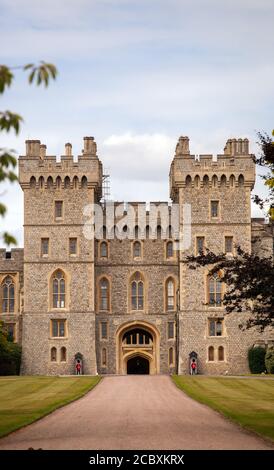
{"points": [[26, 399], [249, 403]]}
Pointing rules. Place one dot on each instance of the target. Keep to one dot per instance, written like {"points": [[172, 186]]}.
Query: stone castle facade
{"points": [[124, 301]]}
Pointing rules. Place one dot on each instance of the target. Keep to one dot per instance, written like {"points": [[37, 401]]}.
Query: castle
{"points": [[123, 301]]}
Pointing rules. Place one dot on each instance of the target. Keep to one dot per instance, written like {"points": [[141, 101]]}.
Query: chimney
{"points": [[246, 146], [228, 147], [33, 148], [43, 150], [90, 147], [68, 149], [182, 147]]}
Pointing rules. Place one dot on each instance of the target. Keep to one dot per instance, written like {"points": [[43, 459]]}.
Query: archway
{"points": [[138, 365], [138, 341]]}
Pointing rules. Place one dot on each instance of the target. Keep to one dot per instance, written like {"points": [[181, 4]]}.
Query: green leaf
{"points": [[31, 75], [9, 239], [6, 78], [3, 209], [9, 120], [28, 66], [42, 73]]}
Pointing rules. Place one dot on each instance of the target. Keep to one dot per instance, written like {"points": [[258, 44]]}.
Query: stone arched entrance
{"points": [[138, 348]]}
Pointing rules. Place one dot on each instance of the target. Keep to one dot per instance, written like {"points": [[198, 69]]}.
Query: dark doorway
{"points": [[138, 365]]}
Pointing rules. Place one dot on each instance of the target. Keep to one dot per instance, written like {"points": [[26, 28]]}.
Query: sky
{"points": [[137, 74]]}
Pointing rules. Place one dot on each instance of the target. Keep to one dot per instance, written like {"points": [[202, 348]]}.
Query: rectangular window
{"points": [[58, 209], [58, 328], [228, 244], [44, 246], [73, 246], [214, 208], [104, 330], [104, 357], [215, 327], [200, 244], [170, 330]]}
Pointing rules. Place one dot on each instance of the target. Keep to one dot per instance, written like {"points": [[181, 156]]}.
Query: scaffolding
{"points": [[106, 186]]}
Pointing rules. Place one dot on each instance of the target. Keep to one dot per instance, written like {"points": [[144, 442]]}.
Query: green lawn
{"points": [[26, 399], [249, 402]]}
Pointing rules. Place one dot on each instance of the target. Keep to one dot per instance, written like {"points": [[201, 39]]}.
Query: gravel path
{"points": [[134, 412]]}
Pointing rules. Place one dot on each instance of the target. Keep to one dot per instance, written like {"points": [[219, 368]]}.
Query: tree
{"points": [[248, 277], [250, 284], [10, 354], [266, 160], [39, 74]]}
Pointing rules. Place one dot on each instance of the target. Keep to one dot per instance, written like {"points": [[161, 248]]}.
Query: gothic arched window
{"points": [[137, 292], [211, 353], [63, 355], [214, 290], [7, 294], [221, 353], [53, 354], [58, 289]]}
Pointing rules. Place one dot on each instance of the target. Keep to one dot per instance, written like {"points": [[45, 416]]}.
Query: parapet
{"points": [[234, 167], [11, 261], [236, 147], [39, 170]]}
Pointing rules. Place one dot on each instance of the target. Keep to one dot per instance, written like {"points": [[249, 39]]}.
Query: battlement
{"points": [[39, 170], [11, 260], [234, 168]]}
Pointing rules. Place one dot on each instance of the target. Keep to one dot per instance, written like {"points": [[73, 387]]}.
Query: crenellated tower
{"points": [[58, 258], [215, 191]]}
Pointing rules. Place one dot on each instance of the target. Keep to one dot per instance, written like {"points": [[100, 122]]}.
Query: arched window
{"points": [[67, 182], [33, 182], [214, 181], [63, 356], [7, 291], [50, 182], [214, 290], [147, 231], [211, 353], [41, 182], [137, 292], [84, 182], [169, 250], [104, 294], [58, 182], [103, 250], [75, 182], [223, 180], [188, 181], [197, 181], [53, 354], [136, 232], [58, 289], [205, 181], [221, 353], [159, 232], [136, 250], [241, 180], [232, 181], [170, 294], [171, 356]]}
